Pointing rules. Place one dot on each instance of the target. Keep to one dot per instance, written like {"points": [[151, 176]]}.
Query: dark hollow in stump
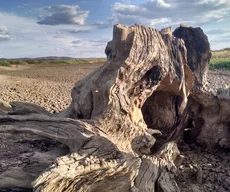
{"points": [[120, 131]]}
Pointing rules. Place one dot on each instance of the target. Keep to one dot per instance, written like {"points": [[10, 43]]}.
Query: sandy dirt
{"points": [[46, 85], [50, 86]]}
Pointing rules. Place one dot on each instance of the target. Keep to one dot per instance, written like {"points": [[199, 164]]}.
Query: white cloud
{"points": [[128, 9], [164, 13], [4, 37], [219, 38], [172, 12], [64, 15], [92, 27], [103, 40], [162, 3], [3, 29], [65, 31], [77, 31], [102, 25], [218, 31], [77, 42], [4, 34], [132, 19], [213, 2], [33, 40], [100, 43], [70, 15]]}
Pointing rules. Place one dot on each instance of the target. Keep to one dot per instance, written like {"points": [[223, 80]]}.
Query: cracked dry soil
{"points": [[50, 87]]}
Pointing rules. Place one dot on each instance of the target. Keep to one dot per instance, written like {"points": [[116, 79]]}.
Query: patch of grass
{"points": [[219, 63], [224, 54], [58, 62], [4, 63], [68, 61], [82, 61], [75, 61], [9, 62], [220, 59], [34, 61], [17, 62]]}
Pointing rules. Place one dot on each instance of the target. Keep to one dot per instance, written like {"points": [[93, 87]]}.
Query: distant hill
{"points": [[219, 50], [50, 58], [43, 58]]}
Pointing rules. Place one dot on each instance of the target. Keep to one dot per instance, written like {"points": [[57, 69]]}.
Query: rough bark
{"points": [[198, 51], [143, 90], [209, 103]]}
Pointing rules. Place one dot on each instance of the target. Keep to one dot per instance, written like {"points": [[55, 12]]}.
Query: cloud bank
{"points": [[64, 15], [68, 30], [172, 12]]}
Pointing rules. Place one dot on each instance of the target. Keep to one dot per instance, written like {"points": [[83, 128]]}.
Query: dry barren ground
{"points": [[50, 87], [45, 85]]}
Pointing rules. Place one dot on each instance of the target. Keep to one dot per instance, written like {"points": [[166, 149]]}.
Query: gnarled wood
{"points": [[143, 90]]}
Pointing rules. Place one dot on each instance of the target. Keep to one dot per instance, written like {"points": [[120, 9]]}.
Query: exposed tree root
{"points": [[145, 94]]}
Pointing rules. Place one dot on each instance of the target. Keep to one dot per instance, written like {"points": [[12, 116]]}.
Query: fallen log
{"points": [[120, 131]]}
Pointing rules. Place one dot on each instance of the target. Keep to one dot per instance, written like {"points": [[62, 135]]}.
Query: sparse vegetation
{"points": [[17, 62], [70, 61], [4, 63], [220, 64], [222, 54], [47, 61], [220, 59]]}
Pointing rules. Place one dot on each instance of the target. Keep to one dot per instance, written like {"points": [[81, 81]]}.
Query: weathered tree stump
{"points": [[147, 89]]}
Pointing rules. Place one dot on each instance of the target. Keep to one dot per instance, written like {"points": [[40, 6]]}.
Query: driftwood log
{"points": [[121, 130]]}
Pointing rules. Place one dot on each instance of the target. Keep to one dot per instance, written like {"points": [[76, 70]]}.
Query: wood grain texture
{"points": [[140, 97]]}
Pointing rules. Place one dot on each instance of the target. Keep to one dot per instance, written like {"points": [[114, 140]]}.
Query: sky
{"points": [[82, 28]]}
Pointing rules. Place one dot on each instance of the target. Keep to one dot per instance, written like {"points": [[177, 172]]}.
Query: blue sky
{"points": [[82, 28]]}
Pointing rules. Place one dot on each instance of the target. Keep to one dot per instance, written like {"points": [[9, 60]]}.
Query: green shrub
{"points": [[34, 61], [219, 63], [17, 62], [4, 63], [59, 61], [68, 61]]}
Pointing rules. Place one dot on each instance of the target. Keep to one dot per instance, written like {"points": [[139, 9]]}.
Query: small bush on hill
{"points": [[17, 62], [4, 63]]}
